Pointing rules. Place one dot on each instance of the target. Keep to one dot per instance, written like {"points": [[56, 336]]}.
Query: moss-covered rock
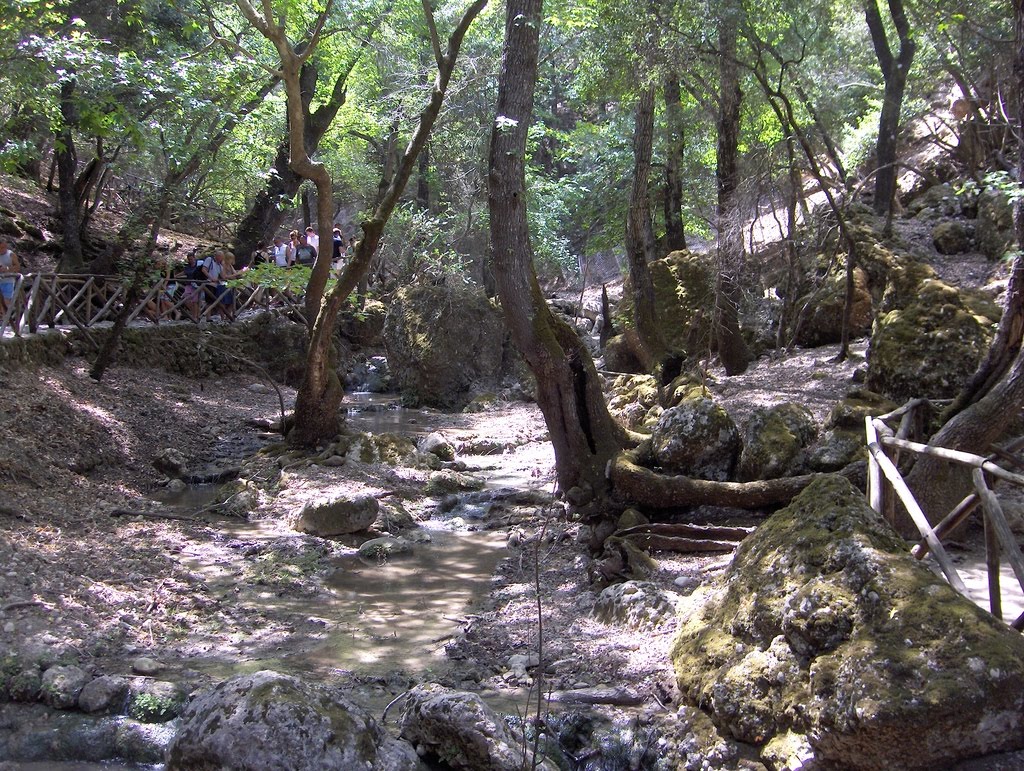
{"points": [[951, 237], [632, 398], [269, 720], [696, 438], [684, 291], [444, 342], [994, 229], [825, 631], [364, 326], [774, 439], [822, 321], [850, 411], [929, 347]]}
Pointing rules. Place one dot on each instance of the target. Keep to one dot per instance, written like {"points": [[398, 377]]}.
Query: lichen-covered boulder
{"points": [[61, 686], [634, 604], [338, 514], [774, 439], [928, 348], [268, 720], [442, 343], [632, 398], [951, 237], [696, 438], [684, 292], [365, 325], [826, 637], [462, 731]]}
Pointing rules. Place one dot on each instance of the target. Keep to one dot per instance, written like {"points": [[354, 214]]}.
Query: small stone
{"points": [[146, 666], [9, 627], [176, 486], [103, 693], [687, 583]]}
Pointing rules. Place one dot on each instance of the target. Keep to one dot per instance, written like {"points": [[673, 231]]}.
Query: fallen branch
{"points": [[650, 489], [22, 604], [654, 542], [686, 530], [619, 697]]}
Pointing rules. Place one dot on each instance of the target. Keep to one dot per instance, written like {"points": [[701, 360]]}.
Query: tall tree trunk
{"points": [[894, 74], [584, 435], [675, 236], [640, 236], [423, 180], [732, 348], [67, 170], [997, 388]]}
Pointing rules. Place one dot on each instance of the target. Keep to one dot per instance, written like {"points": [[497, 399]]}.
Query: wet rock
{"points": [[461, 730], [214, 473], [773, 440], [61, 686], [105, 693], [696, 438], [146, 666], [327, 516], [825, 641], [635, 604], [445, 482], [435, 443], [270, 720], [384, 548]]}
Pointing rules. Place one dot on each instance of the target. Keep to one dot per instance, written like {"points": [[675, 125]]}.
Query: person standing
{"points": [[312, 238], [280, 253], [9, 268], [305, 253]]}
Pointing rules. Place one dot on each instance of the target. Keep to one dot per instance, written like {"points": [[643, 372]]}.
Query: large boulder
{"points": [[928, 348], [822, 321], [825, 640], [994, 230], [696, 438], [462, 731], [684, 293], [774, 439], [268, 720], [442, 343], [338, 514]]}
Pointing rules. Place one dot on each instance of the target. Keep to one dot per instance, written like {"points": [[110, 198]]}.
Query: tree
{"points": [[584, 435], [895, 70], [997, 388], [320, 393]]}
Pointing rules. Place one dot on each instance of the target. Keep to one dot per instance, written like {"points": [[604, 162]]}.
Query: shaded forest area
{"points": [[703, 240]]}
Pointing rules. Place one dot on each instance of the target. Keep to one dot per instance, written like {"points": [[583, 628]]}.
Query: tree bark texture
{"points": [[675, 236], [640, 236], [894, 74], [72, 260], [584, 435], [732, 348]]}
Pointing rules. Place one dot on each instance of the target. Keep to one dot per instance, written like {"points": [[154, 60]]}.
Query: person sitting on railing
{"points": [[9, 268]]}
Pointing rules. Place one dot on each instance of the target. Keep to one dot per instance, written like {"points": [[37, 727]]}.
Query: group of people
{"points": [[303, 247], [198, 287]]}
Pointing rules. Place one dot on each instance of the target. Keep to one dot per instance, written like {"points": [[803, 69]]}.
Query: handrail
{"points": [[884, 476], [84, 300]]}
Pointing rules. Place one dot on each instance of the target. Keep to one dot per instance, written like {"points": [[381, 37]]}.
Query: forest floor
{"points": [[211, 595]]}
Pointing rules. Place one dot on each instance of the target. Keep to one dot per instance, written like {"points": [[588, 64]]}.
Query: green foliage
{"points": [[149, 707]]}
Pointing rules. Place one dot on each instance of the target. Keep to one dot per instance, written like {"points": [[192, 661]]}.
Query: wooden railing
{"points": [[83, 301], [884, 480]]}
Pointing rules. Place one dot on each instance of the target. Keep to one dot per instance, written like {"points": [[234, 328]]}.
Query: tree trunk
{"points": [[732, 348], [894, 74], [640, 238], [675, 236], [997, 388], [584, 435], [72, 260], [423, 181]]}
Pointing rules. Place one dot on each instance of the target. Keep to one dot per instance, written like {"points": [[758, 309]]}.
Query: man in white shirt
{"points": [[280, 253], [313, 239]]}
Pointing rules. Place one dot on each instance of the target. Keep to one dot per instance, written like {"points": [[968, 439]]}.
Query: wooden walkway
{"points": [[50, 300]]}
